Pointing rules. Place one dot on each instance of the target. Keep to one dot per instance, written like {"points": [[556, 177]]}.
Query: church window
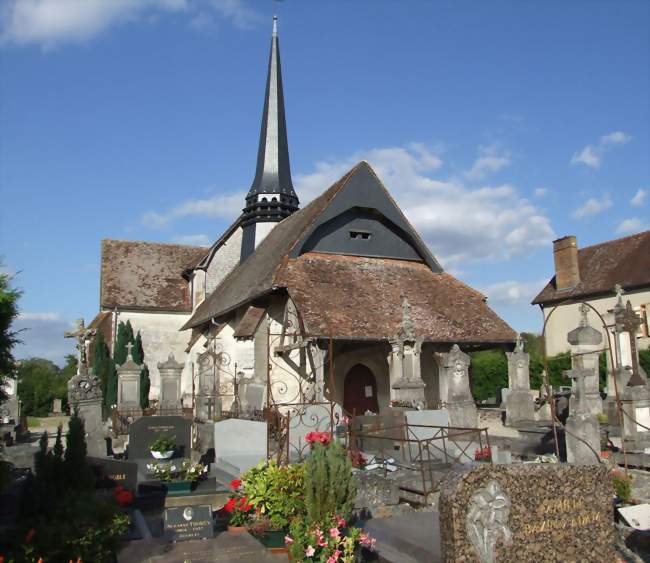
{"points": [[360, 235]]}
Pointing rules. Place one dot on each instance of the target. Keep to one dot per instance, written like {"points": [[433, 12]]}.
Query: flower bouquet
{"points": [[240, 511], [329, 540], [483, 454], [318, 438], [178, 478]]}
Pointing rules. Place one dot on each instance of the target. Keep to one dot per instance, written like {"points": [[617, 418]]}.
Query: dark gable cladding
{"points": [[146, 275], [624, 261]]}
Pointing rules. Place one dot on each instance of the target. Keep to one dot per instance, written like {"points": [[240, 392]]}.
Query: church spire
{"points": [[272, 197]]}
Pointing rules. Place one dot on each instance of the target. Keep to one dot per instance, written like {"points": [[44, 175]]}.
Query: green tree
{"points": [[489, 372], [8, 336], [124, 337], [138, 351], [40, 381], [110, 398], [101, 361], [78, 472], [145, 382]]}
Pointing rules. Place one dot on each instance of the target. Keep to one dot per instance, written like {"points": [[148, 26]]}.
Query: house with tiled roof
{"points": [[340, 299], [591, 274]]}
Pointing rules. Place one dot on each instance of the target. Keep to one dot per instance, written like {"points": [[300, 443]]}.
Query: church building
{"points": [[338, 300]]}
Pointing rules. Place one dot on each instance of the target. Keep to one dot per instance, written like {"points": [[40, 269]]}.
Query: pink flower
{"points": [[334, 533], [287, 540], [366, 540], [331, 559], [341, 522], [309, 552]]}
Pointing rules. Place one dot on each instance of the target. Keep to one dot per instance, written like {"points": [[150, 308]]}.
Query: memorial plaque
{"points": [[184, 523], [534, 512], [147, 428], [114, 472]]}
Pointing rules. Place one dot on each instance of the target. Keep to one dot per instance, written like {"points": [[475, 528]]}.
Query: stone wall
{"points": [[223, 261]]}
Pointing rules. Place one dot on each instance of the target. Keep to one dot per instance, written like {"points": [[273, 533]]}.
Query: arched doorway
{"points": [[360, 391]]}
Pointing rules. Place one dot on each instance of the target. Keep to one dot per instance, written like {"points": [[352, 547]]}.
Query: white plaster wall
{"points": [[198, 287], [263, 229], [567, 317], [223, 261], [160, 336]]}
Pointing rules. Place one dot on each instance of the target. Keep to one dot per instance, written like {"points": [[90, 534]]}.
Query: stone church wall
{"points": [[224, 260]]}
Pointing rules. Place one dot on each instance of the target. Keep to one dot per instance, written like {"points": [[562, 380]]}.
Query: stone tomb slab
{"points": [[147, 428], [535, 512], [239, 444], [189, 522], [115, 472]]}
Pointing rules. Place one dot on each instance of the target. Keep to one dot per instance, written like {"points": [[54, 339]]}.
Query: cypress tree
{"points": [[119, 354], [110, 398], [101, 360], [137, 351], [129, 332], [145, 385], [77, 470]]}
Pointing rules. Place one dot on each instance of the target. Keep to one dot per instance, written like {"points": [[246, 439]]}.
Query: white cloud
{"points": [[28, 316], [639, 197], [491, 159], [592, 155], [541, 192], [630, 226], [457, 222], [221, 206], [512, 292], [593, 206], [193, 240], [49, 22]]}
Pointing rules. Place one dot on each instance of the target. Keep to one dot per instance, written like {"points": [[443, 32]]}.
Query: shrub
{"points": [[622, 485], [329, 485], [276, 492], [163, 443]]}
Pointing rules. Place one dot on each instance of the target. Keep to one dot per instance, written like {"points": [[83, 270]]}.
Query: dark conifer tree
{"points": [[119, 354], [110, 398], [101, 361], [77, 471], [145, 385]]}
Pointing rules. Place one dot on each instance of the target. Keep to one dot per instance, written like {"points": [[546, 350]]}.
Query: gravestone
{"points": [[239, 444], [170, 383], [582, 429], [56, 406], [128, 382], [459, 399], [184, 523], [115, 471], [519, 402], [544, 513], [147, 428]]}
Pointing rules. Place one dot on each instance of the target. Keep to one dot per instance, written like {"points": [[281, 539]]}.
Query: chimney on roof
{"points": [[565, 254]]}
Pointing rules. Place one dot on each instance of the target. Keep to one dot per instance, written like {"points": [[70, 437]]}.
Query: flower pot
{"points": [[178, 487], [237, 529], [162, 455], [273, 540]]}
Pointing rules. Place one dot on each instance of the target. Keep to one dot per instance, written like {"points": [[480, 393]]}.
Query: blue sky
{"points": [[498, 126]]}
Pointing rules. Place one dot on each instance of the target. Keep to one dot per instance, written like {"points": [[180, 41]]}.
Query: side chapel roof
{"points": [[146, 275]]}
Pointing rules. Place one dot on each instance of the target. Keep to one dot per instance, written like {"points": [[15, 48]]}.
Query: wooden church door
{"points": [[360, 391]]}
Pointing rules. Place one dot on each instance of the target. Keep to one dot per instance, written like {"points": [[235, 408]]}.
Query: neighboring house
{"points": [[591, 274], [338, 300]]}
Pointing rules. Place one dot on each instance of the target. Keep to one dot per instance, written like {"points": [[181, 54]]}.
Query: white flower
{"points": [[173, 468]]}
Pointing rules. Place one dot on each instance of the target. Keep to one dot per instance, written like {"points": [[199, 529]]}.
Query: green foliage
{"points": [[77, 470], [41, 381], [329, 485], [622, 485], [8, 337], [644, 360], [556, 364], [329, 539], [110, 398], [137, 351], [276, 492], [163, 443], [489, 372], [101, 361], [145, 385]]}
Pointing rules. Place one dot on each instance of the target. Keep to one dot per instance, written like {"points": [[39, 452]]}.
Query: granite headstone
{"points": [[535, 512], [115, 472], [147, 428], [184, 523]]}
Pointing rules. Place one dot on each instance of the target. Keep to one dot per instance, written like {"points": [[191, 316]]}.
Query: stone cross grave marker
{"points": [[544, 513]]}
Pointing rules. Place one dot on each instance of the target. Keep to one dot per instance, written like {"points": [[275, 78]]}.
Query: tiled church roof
{"points": [[146, 275], [624, 261]]}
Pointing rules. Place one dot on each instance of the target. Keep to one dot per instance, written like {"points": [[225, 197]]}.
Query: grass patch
{"points": [[33, 421]]}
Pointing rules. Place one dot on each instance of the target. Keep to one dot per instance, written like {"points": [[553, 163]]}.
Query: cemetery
{"points": [[315, 387]]}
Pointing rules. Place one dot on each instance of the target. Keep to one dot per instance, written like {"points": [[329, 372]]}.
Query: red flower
{"points": [[235, 484], [124, 498], [230, 505], [30, 535]]}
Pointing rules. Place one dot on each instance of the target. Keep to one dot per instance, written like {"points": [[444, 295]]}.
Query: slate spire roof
{"points": [[273, 173]]}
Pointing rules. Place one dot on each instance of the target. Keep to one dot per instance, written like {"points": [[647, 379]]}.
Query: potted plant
{"points": [[622, 487], [177, 479], [163, 446], [276, 494], [483, 454], [240, 511]]}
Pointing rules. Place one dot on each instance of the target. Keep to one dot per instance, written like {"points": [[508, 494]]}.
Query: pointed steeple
{"points": [[271, 198]]}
